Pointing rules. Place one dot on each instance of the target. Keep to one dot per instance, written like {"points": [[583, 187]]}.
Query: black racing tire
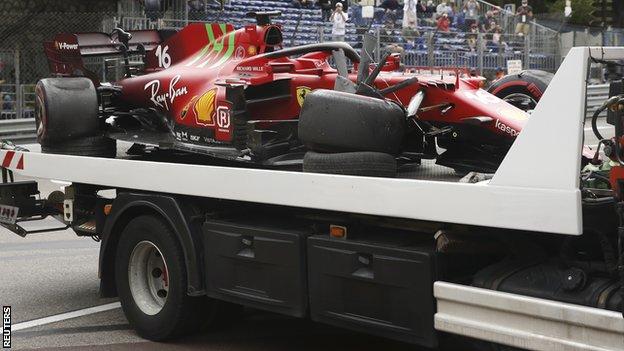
{"points": [[527, 86], [332, 121], [180, 314], [368, 164], [95, 146], [66, 109]]}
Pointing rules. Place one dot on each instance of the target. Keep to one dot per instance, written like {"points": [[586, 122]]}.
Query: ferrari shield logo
{"points": [[301, 94]]}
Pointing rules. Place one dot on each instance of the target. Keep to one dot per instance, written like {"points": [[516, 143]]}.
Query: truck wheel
{"points": [[151, 281], [332, 121], [369, 164], [523, 90], [96, 146]]}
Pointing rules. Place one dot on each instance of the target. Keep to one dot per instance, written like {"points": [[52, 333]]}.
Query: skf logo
{"points": [[65, 46], [301, 94], [223, 118], [205, 107]]}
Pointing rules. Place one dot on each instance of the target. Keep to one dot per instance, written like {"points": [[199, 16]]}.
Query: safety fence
{"points": [[484, 52], [596, 96], [18, 131], [17, 101]]}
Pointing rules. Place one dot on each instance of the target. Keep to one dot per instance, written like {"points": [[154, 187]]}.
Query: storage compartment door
{"points": [[261, 267], [386, 291]]}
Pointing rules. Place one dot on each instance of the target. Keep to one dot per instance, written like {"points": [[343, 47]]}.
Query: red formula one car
{"points": [[238, 95]]}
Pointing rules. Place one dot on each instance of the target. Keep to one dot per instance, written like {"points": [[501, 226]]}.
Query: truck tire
{"points": [[96, 146], [368, 164], [332, 121], [150, 274], [523, 90]]}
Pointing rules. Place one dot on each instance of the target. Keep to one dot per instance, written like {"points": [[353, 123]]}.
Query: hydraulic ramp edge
{"points": [[526, 322]]}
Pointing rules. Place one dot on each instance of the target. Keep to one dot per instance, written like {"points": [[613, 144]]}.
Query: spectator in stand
{"points": [[525, 15], [473, 37], [345, 4], [441, 9], [450, 11], [391, 7], [430, 9], [326, 9], [410, 21], [489, 26], [500, 73], [387, 40], [356, 12], [339, 20], [421, 9], [496, 42], [410, 14], [471, 13], [303, 3], [444, 23], [428, 13], [7, 104], [486, 21]]}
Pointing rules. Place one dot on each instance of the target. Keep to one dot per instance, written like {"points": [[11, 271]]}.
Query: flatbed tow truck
{"points": [[412, 259]]}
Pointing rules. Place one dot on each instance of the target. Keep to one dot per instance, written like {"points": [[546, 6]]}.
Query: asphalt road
{"points": [[48, 274]]}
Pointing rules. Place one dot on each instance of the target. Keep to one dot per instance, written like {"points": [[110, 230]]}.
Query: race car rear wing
{"points": [[66, 51]]}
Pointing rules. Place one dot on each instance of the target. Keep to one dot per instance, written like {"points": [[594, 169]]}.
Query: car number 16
{"points": [[164, 60]]}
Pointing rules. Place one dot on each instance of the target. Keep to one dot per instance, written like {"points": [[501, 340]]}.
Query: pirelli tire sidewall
{"points": [[532, 83], [65, 109]]}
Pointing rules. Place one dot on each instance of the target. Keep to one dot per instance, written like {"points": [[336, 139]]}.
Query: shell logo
{"points": [[205, 108]]}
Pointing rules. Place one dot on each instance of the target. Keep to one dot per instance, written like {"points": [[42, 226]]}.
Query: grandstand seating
{"points": [[304, 26]]}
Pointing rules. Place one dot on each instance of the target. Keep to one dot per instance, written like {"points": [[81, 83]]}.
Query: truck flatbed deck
{"points": [[423, 199]]}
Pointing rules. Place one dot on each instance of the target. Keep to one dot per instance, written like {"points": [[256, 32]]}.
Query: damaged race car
{"points": [[238, 95]]}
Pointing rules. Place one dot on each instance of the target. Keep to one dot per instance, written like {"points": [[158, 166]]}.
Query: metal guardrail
{"points": [[19, 131], [596, 95]]}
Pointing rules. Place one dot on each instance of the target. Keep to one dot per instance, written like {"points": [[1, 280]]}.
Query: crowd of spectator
{"points": [[445, 16]]}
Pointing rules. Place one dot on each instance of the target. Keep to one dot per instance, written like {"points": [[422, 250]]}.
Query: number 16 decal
{"points": [[164, 60]]}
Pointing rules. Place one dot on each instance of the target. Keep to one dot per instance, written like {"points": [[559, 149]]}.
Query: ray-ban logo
{"points": [[6, 327]]}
